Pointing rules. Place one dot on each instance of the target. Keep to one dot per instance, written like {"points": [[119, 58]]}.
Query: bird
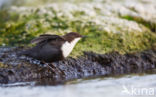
{"points": [[52, 48]]}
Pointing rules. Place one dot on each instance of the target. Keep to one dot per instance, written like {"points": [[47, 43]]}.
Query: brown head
{"points": [[71, 36]]}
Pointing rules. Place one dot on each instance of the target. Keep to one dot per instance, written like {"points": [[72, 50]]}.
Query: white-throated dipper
{"points": [[51, 48]]}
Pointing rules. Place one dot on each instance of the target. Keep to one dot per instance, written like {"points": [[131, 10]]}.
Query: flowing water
{"points": [[127, 86]]}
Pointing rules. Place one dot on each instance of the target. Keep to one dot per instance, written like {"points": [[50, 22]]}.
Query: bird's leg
{"points": [[47, 64], [58, 70], [54, 68]]}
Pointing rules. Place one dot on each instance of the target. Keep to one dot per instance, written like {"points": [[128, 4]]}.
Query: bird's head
{"points": [[72, 36]]}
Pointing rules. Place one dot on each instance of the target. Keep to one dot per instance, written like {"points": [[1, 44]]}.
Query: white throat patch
{"points": [[67, 47]]}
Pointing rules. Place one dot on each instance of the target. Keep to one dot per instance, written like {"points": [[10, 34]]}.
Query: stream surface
{"points": [[125, 86]]}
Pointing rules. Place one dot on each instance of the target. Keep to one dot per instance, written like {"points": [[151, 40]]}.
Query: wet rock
{"points": [[15, 68]]}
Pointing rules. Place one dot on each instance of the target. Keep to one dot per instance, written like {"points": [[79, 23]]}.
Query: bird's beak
{"points": [[84, 36]]}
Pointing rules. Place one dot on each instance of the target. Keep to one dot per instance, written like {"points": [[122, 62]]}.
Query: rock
{"points": [[15, 68]]}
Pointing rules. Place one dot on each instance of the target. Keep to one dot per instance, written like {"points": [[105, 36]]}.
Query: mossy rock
{"points": [[107, 30]]}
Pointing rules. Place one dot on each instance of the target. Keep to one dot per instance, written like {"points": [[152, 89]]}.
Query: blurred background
{"points": [[125, 26], [112, 25]]}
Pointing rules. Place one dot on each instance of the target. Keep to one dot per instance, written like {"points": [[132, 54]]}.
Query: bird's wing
{"points": [[46, 37]]}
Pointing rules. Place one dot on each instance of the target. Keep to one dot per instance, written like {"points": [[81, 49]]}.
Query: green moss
{"points": [[17, 29], [3, 65], [148, 24], [122, 42]]}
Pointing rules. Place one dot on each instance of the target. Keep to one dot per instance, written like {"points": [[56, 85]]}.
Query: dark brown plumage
{"points": [[50, 48]]}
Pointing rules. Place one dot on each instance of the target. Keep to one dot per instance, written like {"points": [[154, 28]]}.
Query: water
{"points": [[99, 87]]}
